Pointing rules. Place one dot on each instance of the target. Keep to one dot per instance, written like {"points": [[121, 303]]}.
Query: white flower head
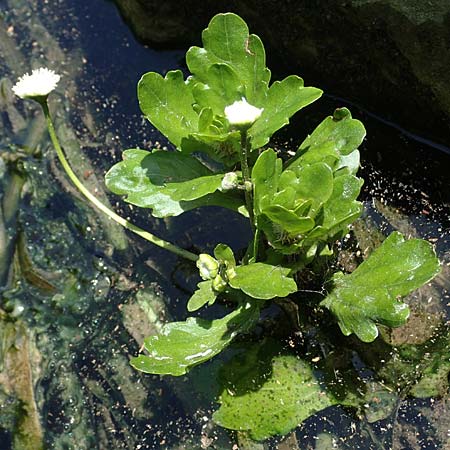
{"points": [[39, 84], [242, 114]]}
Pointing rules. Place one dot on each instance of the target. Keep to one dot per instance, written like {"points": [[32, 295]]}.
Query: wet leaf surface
{"points": [[183, 345], [369, 294]]}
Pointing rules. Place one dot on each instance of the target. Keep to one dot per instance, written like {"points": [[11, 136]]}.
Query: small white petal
{"points": [[241, 113], [39, 84]]}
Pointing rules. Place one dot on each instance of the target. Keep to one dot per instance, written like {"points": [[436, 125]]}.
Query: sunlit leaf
{"points": [[224, 254], [223, 88], [311, 182], [283, 100], [263, 281], [265, 176], [345, 133], [168, 182], [182, 345], [203, 295], [369, 295], [227, 41], [288, 220], [342, 208], [167, 104]]}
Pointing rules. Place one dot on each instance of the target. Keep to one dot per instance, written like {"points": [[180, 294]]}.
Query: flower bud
{"points": [[230, 181], [208, 266], [219, 284]]}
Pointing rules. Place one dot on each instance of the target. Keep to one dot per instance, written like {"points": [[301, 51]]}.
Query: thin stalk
{"points": [[120, 220], [246, 177]]}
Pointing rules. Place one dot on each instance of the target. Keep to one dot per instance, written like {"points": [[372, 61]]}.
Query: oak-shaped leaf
{"points": [[167, 104], [370, 295], [284, 98], [227, 42], [204, 294]]}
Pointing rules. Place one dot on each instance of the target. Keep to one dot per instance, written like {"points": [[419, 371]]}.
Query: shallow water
{"points": [[86, 293]]}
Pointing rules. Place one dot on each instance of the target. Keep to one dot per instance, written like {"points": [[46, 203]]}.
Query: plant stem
{"points": [[246, 177], [120, 220]]}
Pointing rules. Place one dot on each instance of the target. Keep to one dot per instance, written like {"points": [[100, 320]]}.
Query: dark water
{"points": [[83, 328]]}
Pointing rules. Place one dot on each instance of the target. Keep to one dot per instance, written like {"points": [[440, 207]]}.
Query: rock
{"points": [[389, 55]]}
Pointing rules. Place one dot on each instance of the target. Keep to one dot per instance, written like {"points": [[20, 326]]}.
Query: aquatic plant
{"points": [[298, 204]]}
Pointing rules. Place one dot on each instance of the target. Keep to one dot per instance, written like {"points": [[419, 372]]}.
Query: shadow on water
{"points": [[84, 294]]}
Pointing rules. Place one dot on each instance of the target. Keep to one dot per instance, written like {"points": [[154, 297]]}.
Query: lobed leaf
{"points": [[167, 104], [265, 175], [345, 133], [183, 345], [288, 220], [227, 41], [311, 182], [284, 99], [368, 296], [263, 281], [203, 295], [342, 208]]}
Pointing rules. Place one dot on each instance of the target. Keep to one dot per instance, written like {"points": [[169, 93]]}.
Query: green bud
{"points": [[208, 266], [219, 284]]}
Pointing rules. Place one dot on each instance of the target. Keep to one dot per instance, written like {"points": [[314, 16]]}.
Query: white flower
{"points": [[241, 113], [39, 84]]}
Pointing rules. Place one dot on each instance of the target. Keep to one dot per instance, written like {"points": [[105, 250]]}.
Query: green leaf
{"points": [[223, 88], [168, 182], [288, 220], [263, 281], [369, 295], [313, 182], [283, 100], [220, 147], [342, 208], [265, 175], [324, 152], [350, 161], [345, 133], [203, 295], [183, 345], [225, 255], [266, 392], [227, 41], [167, 104]]}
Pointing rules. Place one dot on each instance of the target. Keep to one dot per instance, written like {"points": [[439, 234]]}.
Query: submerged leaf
{"points": [[267, 392], [183, 345], [369, 295]]}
